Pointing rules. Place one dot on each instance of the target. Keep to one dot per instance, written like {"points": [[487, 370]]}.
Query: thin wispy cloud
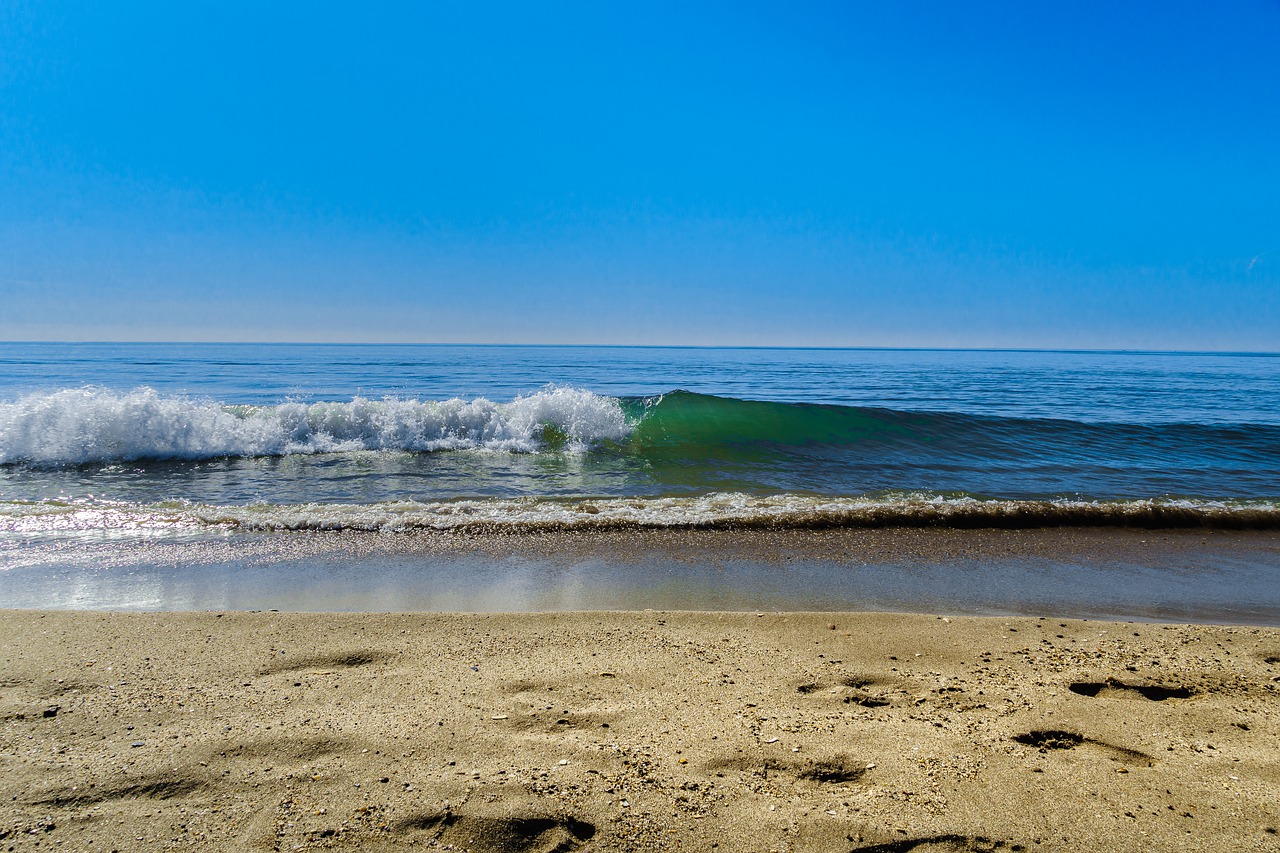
{"points": [[1254, 261]]}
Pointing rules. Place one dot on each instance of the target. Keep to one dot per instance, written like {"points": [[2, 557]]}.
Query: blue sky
{"points": [[1069, 174]]}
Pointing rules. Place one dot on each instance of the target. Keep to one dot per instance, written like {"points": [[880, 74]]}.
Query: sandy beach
{"points": [[635, 731]]}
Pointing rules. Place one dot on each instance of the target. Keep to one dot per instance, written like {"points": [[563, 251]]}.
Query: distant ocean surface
{"points": [[154, 437]]}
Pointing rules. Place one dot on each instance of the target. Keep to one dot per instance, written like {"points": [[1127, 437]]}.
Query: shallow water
{"points": [[1115, 574]]}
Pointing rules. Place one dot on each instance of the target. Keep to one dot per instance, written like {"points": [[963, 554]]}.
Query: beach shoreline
{"points": [[637, 730], [1200, 576]]}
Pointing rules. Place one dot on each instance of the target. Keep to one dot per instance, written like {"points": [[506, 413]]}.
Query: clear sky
{"points": [[1026, 174]]}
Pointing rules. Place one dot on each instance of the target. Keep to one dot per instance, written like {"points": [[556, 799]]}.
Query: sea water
{"points": [[138, 442]]}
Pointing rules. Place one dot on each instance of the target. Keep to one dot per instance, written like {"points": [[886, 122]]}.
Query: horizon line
{"points": [[866, 348]]}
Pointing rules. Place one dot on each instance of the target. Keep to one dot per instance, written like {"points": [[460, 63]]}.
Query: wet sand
{"points": [[1200, 576], [635, 731]]}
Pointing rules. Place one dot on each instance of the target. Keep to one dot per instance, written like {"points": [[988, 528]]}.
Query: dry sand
{"points": [[635, 731]]}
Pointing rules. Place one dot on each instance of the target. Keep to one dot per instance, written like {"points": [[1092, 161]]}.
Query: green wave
{"points": [[686, 418]]}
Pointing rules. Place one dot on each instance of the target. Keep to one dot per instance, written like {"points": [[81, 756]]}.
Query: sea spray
{"points": [[92, 424]]}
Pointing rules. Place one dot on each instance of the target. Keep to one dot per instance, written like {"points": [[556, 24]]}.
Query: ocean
{"points": [[109, 452]]}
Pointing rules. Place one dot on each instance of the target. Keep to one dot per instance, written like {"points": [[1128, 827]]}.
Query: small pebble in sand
{"points": [[563, 762]]}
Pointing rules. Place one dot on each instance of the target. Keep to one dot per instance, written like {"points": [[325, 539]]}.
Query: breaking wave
{"points": [[85, 425], [678, 444]]}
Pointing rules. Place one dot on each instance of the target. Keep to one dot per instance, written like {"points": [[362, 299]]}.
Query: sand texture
{"points": [[635, 731]]}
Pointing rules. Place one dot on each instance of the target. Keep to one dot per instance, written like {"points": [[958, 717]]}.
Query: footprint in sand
{"points": [[284, 750], [1113, 687], [528, 833], [340, 660], [1054, 739], [853, 690], [149, 788], [837, 769], [540, 709]]}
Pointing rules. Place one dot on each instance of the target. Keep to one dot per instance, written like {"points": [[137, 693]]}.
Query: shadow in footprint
{"points": [[856, 683], [511, 834], [834, 770], [153, 789], [558, 723], [975, 843], [342, 660], [1112, 686], [284, 748], [1050, 739], [1047, 739]]}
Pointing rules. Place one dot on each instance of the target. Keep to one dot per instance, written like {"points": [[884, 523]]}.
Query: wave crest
{"points": [[84, 425]]}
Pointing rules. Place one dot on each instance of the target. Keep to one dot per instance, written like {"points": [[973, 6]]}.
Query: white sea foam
{"points": [[717, 510], [92, 424]]}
